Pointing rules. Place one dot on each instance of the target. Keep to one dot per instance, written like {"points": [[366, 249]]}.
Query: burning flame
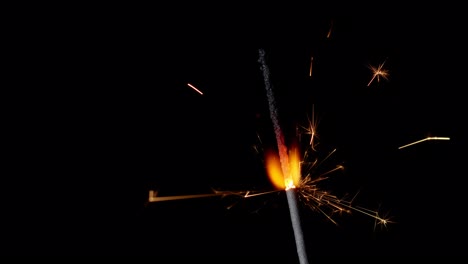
{"points": [[275, 173], [294, 166]]}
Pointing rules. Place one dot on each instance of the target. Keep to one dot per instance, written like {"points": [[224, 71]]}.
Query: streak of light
{"points": [[422, 140], [245, 194], [193, 87], [338, 167], [330, 30], [180, 197], [310, 70]]}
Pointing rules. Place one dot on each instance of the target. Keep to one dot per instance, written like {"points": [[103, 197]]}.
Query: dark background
{"points": [[104, 115]]}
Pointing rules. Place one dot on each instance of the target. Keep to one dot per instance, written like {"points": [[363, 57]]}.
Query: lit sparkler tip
{"points": [[289, 184]]}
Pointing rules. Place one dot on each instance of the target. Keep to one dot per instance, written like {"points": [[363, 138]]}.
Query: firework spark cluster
{"points": [[311, 167]]}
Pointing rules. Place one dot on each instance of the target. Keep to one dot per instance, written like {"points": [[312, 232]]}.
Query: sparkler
{"points": [[284, 160], [308, 175], [422, 140], [297, 176]]}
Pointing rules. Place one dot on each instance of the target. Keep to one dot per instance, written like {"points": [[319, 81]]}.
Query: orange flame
{"points": [[294, 166], [273, 167], [275, 173]]}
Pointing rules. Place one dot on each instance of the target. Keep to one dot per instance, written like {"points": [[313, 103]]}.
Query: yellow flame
{"points": [[294, 167], [275, 173]]}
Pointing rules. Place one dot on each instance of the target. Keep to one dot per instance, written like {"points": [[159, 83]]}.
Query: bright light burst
{"points": [[378, 72]]}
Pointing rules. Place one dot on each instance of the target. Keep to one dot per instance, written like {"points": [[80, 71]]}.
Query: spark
{"points": [[311, 175], [422, 140], [328, 204], [154, 198], [180, 197], [330, 30], [311, 129], [193, 87], [310, 69], [247, 194], [380, 221], [378, 72], [244, 194]]}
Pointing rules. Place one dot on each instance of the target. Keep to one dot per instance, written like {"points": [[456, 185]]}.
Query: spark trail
{"points": [[310, 69], [245, 194], [422, 140], [194, 88], [284, 161]]}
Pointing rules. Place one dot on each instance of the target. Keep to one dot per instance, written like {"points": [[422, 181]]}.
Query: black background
{"points": [[104, 115]]}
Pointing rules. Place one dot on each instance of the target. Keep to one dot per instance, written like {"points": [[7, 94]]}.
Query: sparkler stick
{"points": [[422, 140], [284, 160]]}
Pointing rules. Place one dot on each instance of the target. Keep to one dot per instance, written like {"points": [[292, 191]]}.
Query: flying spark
{"points": [[422, 140], [330, 31], [311, 130], [378, 72], [310, 70], [311, 175], [193, 87], [153, 197]]}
